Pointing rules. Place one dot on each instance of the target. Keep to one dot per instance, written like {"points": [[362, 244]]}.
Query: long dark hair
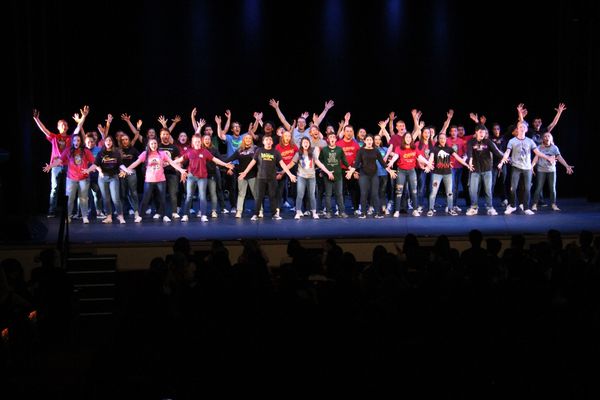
{"points": [[412, 142], [72, 148], [310, 149]]}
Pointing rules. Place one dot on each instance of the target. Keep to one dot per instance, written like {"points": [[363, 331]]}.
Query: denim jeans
{"points": [[162, 194], [243, 186], [474, 180], [456, 181], [109, 186], [404, 175], [337, 188], [57, 176], [73, 187], [383, 181], [424, 185], [514, 184], [499, 176], [129, 191], [284, 188], [369, 184], [191, 184], [543, 177], [435, 186], [96, 193], [212, 192], [172, 188], [302, 185]]}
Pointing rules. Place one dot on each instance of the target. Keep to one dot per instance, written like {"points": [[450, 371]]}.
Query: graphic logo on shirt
{"points": [[267, 156], [306, 162], [61, 143], [332, 159], [480, 146], [77, 159], [443, 160], [154, 163]]}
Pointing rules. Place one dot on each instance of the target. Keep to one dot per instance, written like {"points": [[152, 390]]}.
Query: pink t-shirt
{"points": [[154, 165], [80, 160], [59, 144]]}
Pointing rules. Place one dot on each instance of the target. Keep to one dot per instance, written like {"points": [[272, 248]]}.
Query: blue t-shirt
{"points": [[381, 168], [233, 143]]}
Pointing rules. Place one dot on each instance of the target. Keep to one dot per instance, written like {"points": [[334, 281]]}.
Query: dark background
{"points": [[153, 57]]}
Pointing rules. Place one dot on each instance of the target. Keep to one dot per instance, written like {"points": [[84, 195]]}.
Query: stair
{"points": [[94, 281]]}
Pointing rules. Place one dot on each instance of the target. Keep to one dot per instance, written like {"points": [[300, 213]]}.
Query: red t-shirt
{"points": [[350, 150], [287, 152], [396, 141], [460, 147], [198, 160], [407, 158], [59, 144], [76, 163]]}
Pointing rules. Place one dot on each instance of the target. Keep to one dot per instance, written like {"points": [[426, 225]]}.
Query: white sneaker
{"points": [[214, 214], [175, 216], [287, 205], [131, 212], [204, 218], [233, 210], [528, 212], [420, 209], [185, 218], [396, 214], [276, 216], [430, 213], [137, 219], [457, 209], [521, 207], [298, 215], [555, 207], [148, 211], [261, 214], [166, 219], [315, 215], [254, 218], [534, 207], [370, 211], [357, 212], [224, 211], [121, 219], [307, 213], [416, 213], [238, 214], [492, 211], [471, 211], [509, 210], [156, 216], [85, 220], [192, 211]]}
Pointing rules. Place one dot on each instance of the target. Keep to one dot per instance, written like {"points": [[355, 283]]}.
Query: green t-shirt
{"points": [[332, 159]]}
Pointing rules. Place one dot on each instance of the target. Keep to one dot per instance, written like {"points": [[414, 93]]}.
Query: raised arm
{"points": [[38, 121], [416, 115], [80, 120], [220, 133], [449, 116], [228, 122], [390, 120], [559, 110], [193, 116], [136, 132], [328, 105], [275, 104], [174, 122], [383, 131]]}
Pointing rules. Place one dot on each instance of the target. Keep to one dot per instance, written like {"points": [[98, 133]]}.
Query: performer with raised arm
{"points": [[301, 129]]}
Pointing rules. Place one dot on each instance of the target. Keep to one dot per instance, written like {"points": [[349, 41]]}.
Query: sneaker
{"points": [[521, 207], [379, 216], [362, 216], [471, 211], [386, 211], [254, 217], [175, 216], [107, 220], [192, 211], [430, 213], [51, 215], [492, 211], [131, 212], [238, 214], [370, 211], [327, 215], [307, 213], [357, 212], [287, 205], [534, 207], [298, 215], [69, 219], [214, 214], [101, 215], [233, 210], [509, 210], [148, 212], [224, 211], [166, 219], [504, 202], [86, 220], [452, 212], [185, 218], [456, 208], [554, 207], [292, 208], [528, 212], [261, 214], [276, 216], [420, 209], [315, 215], [137, 219], [121, 219], [396, 214], [416, 213], [343, 215], [204, 218], [156, 216]]}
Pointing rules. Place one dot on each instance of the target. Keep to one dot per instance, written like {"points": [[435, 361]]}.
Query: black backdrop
{"points": [[157, 57]]}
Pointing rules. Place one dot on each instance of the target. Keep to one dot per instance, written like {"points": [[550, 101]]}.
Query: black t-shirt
{"points": [[173, 152], [129, 155], [267, 161], [366, 161], [441, 159], [500, 143], [244, 157], [109, 161], [211, 167], [481, 152]]}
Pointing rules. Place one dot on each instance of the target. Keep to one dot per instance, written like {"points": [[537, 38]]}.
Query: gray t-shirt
{"points": [[544, 165], [306, 165], [520, 152]]}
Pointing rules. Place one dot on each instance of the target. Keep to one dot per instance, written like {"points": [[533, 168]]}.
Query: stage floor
{"points": [[576, 215]]}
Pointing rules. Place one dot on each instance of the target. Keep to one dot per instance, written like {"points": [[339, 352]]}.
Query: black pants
{"points": [[266, 186]]}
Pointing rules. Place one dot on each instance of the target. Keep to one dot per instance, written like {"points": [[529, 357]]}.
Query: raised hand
{"points": [[201, 123], [176, 120], [228, 114], [126, 117], [304, 115], [36, 113], [482, 120], [329, 104], [450, 114], [347, 117], [109, 118], [474, 117], [315, 118], [342, 124], [392, 116], [382, 124], [163, 121], [77, 118], [194, 112], [561, 107], [139, 123], [218, 119], [85, 110], [101, 129], [421, 124], [274, 103]]}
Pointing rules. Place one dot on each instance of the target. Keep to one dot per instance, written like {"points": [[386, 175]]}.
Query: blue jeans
{"points": [[474, 180], [82, 186], [404, 175], [191, 184], [543, 177], [383, 181], [302, 185], [57, 175], [96, 193], [243, 186], [435, 186], [456, 181], [109, 186], [129, 191], [369, 184], [162, 194], [424, 185], [500, 177], [514, 184], [337, 188]]}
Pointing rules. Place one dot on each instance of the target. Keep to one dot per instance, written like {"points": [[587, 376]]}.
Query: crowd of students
{"points": [[388, 173]]}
